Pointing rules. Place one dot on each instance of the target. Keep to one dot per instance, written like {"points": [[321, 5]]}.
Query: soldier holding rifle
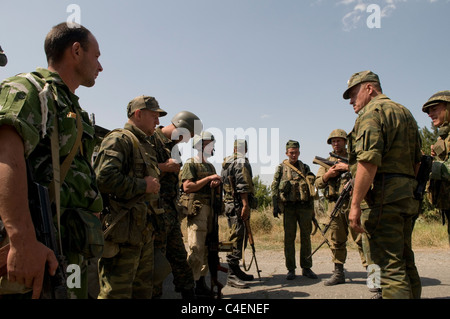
{"points": [[332, 180], [238, 209]]}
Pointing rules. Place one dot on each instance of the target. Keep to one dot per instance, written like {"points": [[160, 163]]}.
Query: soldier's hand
{"points": [[26, 265], [152, 185], [354, 218], [171, 166]]}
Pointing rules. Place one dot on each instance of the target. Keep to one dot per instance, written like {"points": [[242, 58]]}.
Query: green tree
{"points": [[428, 138], [262, 193]]}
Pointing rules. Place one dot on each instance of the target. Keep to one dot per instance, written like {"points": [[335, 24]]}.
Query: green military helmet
{"points": [[189, 121], [203, 136], [441, 96], [337, 133]]}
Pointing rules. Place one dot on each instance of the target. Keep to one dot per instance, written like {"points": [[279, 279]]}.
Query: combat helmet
{"points": [[203, 136], [436, 98], [189, 121], [337, 133]]}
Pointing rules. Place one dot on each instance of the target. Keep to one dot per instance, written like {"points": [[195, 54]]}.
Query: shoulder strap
{"points": [[286, 162]]}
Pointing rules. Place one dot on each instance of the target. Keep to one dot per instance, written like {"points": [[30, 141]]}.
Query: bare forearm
{"points": [[365, 173]]}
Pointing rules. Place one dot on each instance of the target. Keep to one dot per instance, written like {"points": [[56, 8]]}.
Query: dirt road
{"points": [[433, 266]]}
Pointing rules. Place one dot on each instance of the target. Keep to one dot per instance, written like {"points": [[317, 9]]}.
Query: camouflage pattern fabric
{"points": [[120, 174], [288, 191], [439, 184], [386, 134], [31, 102], [199, 225], [168, 237], [339, 228], [238, 166]]}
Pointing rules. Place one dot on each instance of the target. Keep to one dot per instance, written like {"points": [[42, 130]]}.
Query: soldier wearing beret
{"points": [[384, 156], [293, 196], [438, 109], [128, 176]]}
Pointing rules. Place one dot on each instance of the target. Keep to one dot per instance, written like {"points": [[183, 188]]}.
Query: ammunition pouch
{"points": [[192, 203], [82, 233]]}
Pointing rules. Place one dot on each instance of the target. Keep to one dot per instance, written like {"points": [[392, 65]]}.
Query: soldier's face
{"points": [[338, 144], [437, 113], [147, 120], [360, 96], [293, 154], [89, 66]]}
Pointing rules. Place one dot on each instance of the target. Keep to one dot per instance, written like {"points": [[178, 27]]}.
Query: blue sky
{"points": [[264, 70]]}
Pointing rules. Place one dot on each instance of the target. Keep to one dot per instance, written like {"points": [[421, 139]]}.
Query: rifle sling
{"points": [[60, 170]]}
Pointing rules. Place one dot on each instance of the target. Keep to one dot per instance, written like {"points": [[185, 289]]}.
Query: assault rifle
{"points": [[213, 244], [248, 230], [343, 197], [327, 163], [53, 287]]}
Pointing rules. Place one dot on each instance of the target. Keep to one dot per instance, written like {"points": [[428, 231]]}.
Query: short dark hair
{"points": [[63, 36]]}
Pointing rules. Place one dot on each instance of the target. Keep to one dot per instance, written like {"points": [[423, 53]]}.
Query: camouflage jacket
{"points": [[31, 102], [386, 134], [120, 168], [334, 186], [290, 186], [194, 170], [165, 148], [238, 166], [439, 187]]}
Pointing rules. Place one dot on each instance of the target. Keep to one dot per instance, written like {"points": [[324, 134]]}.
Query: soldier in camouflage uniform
{"points": [[198, 177], [3, 58], [293, 195], [332, 181], [128, 175], [30, 106], [238, 209], [169, 238], [438, 109], [384, 156]]}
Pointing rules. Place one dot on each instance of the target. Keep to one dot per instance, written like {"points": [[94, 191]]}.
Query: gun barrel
{"points": [[342, 158]]}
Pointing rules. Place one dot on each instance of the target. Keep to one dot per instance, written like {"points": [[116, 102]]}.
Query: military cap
{"points": [[144, 102], [292, 144], [441, 96], [360, 77]]}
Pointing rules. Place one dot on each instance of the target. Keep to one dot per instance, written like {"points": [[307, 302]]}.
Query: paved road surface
{"points": [[433, 266]]}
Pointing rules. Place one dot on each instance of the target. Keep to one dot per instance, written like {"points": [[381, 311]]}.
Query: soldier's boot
{"points": [[237, 271], [338, 276], [235, 282], [201, 289]]}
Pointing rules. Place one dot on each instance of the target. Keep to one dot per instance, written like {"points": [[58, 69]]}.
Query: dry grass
{"points": [[268, 232]]}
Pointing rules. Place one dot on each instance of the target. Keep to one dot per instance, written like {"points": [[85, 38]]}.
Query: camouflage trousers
{"points": [[237, 233], [198, 228], [301, 214], [388, 245], [169, 239], [129, 274], [338, 236]]}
